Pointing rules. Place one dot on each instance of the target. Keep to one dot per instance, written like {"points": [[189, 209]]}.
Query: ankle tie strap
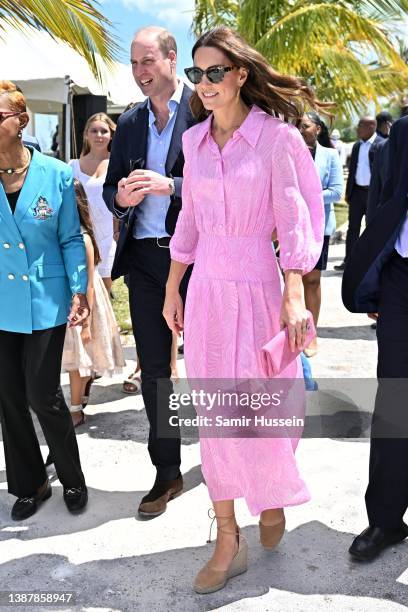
{"points": [[219, 528]]}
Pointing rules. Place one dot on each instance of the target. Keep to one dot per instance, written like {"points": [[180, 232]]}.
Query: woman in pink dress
{"points": [[247, 174]]}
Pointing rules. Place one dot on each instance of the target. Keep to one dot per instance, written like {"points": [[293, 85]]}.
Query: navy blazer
{"points": [[130, 145], [362, 274], [378, 176], [351, 179]]}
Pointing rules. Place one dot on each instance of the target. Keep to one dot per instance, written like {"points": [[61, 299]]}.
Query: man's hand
{"points": [[149, 182], [79, 310], [128, 194]]}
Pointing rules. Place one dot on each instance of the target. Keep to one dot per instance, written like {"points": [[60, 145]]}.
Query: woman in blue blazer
{"points": [[43, 283], [328, 164]]}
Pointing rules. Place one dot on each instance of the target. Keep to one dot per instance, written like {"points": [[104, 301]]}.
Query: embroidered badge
{"points": [[42, 211]]}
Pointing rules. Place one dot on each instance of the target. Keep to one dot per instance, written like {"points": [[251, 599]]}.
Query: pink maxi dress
{"points": [[264, 178]]}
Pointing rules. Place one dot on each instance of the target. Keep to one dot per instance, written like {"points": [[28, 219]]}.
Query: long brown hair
{"points": [[277, 94], [85, 218], [97, 117]]}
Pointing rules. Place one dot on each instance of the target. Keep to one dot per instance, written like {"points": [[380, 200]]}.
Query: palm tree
{"points": [[76, 22], [345, 49]]}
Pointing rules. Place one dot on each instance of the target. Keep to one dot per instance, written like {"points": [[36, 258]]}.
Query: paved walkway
{"points": [[113, 561]]}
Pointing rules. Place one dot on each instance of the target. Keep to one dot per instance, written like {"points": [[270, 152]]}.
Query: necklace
{"points": [[20, 170]]}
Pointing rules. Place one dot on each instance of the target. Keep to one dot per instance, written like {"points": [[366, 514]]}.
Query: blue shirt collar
{"points": [[172, 104]]}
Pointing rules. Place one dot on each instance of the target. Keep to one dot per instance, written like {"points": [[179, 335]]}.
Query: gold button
{"points": [[25, 277], [21, 245], [6, 245], [11, 276]]}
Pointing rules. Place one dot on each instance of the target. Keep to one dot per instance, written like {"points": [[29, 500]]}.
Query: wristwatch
{"points": [[172, 187]]}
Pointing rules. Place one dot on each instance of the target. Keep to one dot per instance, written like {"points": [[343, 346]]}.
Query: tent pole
{"points": [[67, 119]]}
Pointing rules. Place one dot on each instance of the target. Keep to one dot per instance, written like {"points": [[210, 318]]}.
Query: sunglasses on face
{"points": [[5, 114], [215, 74]]}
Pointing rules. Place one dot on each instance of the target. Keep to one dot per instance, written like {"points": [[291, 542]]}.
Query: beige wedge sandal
{"points": [[209, 580]]}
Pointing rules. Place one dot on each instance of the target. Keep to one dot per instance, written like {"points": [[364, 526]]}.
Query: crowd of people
{"points": [[217, 206]]}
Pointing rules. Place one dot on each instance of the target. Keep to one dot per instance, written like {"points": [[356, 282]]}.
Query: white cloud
{"points": [[169, 12]]}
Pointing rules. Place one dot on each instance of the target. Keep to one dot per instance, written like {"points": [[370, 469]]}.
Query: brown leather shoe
{"points": [[155, 502]]}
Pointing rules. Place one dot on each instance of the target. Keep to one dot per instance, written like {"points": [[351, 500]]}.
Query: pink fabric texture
{"points": [[264, 178]]}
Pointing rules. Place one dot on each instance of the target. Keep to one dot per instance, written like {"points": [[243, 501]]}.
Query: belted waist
{"points": [[236, 258]]}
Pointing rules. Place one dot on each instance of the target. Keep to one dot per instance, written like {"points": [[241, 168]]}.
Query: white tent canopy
{"points": [[45, 68]]}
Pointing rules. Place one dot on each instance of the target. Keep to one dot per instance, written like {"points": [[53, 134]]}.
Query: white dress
{"points": [[103, 355], [101, 217]]}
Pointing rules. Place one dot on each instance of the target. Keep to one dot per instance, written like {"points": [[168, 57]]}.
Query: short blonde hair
{"points": [[97, 117], [17, 101]]}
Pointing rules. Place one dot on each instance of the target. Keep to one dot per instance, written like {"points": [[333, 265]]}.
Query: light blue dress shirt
{"points": [[151, 213]]}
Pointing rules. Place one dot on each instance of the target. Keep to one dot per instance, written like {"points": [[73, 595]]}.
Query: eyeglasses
{"points": [[215, 74], [5, 114]]}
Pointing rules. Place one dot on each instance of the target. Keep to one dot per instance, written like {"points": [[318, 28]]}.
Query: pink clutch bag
{"points": [[276, 354]]}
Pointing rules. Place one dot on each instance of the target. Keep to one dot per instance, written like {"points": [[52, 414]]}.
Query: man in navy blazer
{"points": [[376, 281], [358, 181], [143, 188]]}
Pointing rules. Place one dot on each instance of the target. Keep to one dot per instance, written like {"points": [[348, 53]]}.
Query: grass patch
{"points": [[121, 305], [341, 212]]}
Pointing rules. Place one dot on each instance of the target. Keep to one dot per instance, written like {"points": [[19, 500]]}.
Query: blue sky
{"points": [[130, 15]]}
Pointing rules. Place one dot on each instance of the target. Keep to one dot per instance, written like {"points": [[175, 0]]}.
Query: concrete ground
{"points": [[111, 560]]}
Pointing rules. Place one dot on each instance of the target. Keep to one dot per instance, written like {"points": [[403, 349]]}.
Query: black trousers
{"points": [[150, 265], [30, 366], [387, 491], [356, 212]]}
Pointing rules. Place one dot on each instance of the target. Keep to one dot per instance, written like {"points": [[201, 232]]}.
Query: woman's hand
{"points": [[294, 316], [79, 310], [173, 311]]}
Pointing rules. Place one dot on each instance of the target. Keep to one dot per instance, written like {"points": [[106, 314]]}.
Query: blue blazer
{"points": [[328, 164], [42, 252]]}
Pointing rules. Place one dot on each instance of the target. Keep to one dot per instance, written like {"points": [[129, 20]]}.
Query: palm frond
{"points": [[77, 22]]}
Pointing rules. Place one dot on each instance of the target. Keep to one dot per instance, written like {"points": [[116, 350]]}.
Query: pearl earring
{"points": [[20, 133]]}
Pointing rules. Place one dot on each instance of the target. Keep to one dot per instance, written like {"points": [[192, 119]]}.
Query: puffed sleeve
{"points": [[70, 237], [297, 201], [184, 241]]}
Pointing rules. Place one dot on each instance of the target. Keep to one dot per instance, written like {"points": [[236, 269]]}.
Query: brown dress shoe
{"points": [[155, 502]]}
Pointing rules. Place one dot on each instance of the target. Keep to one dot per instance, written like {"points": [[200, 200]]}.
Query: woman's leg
{"points": [[272, 517], [77, 385], [24, 463], [43, 355], [226, 545], [313, 298]]}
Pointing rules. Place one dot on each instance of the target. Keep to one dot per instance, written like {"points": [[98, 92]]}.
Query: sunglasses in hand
{"points": [[215, 74]]}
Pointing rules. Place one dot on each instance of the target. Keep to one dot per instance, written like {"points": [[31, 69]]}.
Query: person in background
{"points": [[384, 122], [44, 280], [376, 282], [338, 144], [358, 182], [327, 162], [95, 348], [90, 169]]}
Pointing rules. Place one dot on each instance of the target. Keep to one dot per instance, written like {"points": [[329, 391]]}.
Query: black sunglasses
{"points": [[215, 74]]}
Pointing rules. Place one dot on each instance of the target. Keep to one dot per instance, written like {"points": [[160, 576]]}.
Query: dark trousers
{"points": [[356, 212], [387, 491], [30, 366], [150, 265]]}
